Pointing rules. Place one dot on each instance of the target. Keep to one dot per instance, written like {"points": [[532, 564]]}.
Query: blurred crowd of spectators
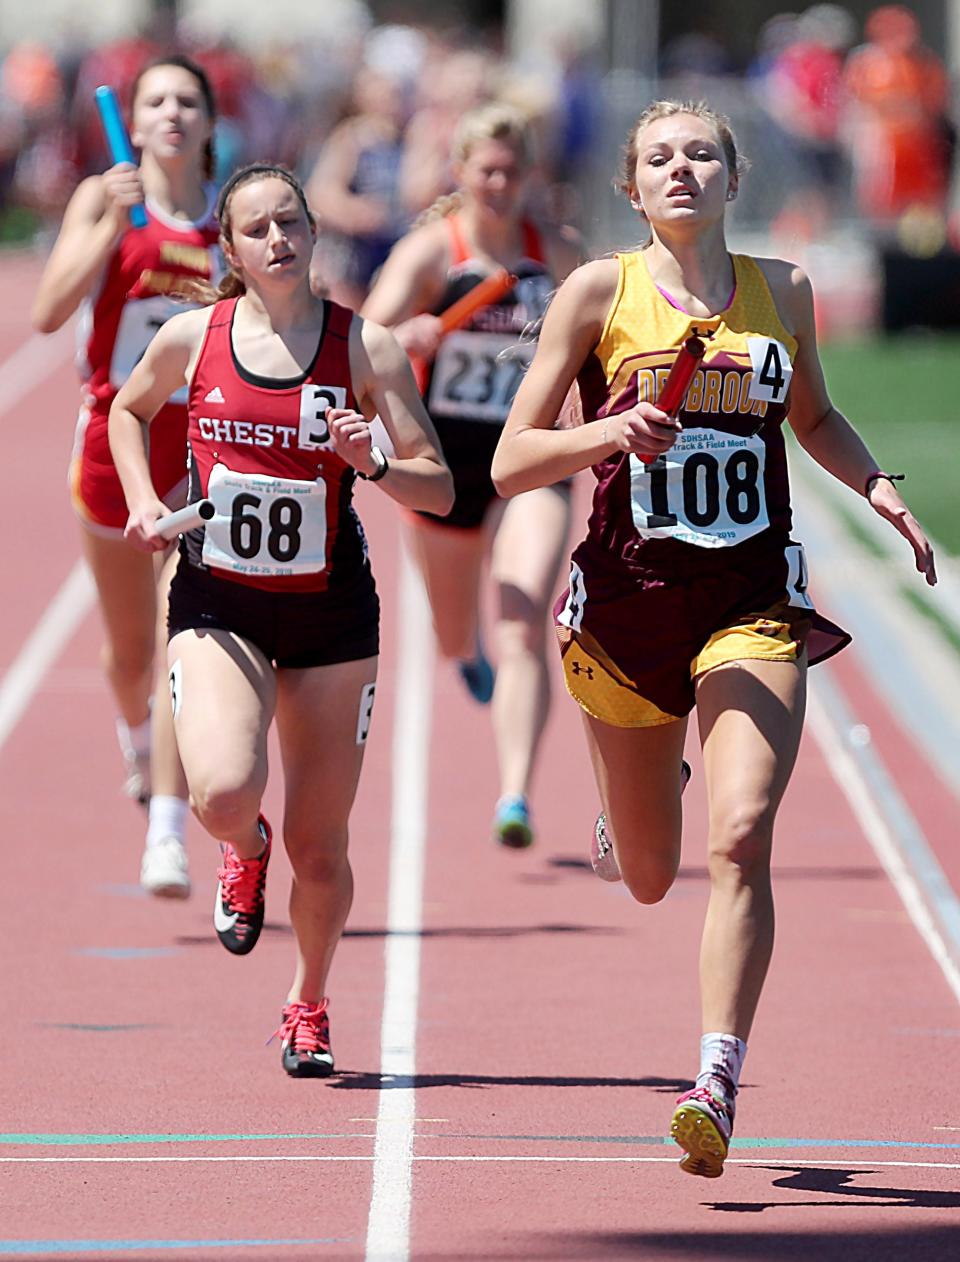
{"points": [[864, 124], [367, 124], [863, 118]]}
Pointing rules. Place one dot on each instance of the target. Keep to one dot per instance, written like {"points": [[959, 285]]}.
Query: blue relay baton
{"points": [[118, 142]]}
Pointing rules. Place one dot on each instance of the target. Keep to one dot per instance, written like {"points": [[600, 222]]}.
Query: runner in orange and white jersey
{"points": [[472, 375]]}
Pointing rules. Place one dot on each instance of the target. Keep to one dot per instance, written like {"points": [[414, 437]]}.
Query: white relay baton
{"points": [[185, 519]]}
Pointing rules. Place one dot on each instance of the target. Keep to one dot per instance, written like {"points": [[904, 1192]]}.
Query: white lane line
{"points": [[887, 824], [858, 1159], [56, 627], [23, 371], [32, 363], [388, 1223]]}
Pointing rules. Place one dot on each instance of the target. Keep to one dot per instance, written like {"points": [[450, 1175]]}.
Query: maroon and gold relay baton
{"points": [[677, 384]]}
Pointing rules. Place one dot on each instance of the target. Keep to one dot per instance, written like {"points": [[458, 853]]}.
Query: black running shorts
{"points": [[295, 630]]}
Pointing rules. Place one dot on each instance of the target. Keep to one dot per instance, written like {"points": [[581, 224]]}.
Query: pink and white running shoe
{"points": [[702, 1124], [602, 859]]}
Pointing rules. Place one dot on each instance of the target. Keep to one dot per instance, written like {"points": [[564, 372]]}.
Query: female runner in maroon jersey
{"points": [[469, 387], [126, 280], [273, 610], [688, 589]]}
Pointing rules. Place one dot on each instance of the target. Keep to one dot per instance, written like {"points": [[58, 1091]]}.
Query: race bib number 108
{"points": [[707, 490]]}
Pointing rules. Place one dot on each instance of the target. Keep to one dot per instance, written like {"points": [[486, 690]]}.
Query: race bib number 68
{"points": [[264, 525]]}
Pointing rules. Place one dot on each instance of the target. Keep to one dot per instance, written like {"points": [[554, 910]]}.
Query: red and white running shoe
{"points": [[305, 1034], [239, 907]]}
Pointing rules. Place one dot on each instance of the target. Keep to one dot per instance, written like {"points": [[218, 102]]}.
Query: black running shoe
{"points": [[305, 1031], [238, 910]]}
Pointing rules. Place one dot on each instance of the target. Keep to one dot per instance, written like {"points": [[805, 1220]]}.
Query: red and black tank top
{"points": [[138, 293], [260, 449]]}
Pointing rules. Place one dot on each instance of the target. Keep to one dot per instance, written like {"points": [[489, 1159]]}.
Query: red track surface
{"points": [[556, 1021]]}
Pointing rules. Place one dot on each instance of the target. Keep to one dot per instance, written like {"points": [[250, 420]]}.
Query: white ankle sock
{"points": [[134, 741], [721, 1058], [168, 818]]}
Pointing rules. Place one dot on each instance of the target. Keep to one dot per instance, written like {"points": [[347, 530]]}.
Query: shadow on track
{"points": [[570, 863], [921, 1244], [838, 1182], [359, 1081], [466, 931]]}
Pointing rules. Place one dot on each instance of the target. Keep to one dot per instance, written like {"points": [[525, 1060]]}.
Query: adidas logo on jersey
{"points": [[215, 396]]}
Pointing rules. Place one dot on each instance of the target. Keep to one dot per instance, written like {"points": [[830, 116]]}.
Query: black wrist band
{"points": [[879, 473]]}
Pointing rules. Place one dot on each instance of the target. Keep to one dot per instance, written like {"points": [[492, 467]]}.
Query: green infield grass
{"points": [[901, 393]]}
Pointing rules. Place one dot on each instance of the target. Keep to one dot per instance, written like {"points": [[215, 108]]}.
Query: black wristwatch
{"points": [[382, 463]]}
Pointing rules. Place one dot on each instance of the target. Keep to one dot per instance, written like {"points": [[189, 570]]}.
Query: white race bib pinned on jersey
{"points": [[315, 402], [798, 577], [265, 526], [140, 321], [707, 490], [772, 370], [476, 375]]}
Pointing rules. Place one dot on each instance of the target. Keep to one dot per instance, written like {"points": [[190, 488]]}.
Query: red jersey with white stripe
{"points": [[137, 295], [261, 450]]}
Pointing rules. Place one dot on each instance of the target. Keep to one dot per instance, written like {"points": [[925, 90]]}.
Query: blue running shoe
{"points": [[477, 674], [511, 823]]}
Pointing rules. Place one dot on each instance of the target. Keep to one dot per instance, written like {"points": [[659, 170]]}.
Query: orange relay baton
{"points": [[490, 290]]}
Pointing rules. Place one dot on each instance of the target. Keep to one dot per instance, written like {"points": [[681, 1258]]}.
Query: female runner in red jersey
{"points": [[688, 589], [126, 281], [470, 385], [273, 610]]}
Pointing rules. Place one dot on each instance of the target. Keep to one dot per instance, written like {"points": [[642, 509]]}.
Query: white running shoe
{"points": [[164, 871], [137, 784]]}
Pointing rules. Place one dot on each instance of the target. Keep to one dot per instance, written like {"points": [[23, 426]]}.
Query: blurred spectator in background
{"points": [[802, 90], [900, 135], [36, 146], [693, 57], [453, 82], [355, 187]]}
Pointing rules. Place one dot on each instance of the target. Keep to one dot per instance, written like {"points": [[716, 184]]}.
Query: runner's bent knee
{"points": [[223, 807], [648, 861]]}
